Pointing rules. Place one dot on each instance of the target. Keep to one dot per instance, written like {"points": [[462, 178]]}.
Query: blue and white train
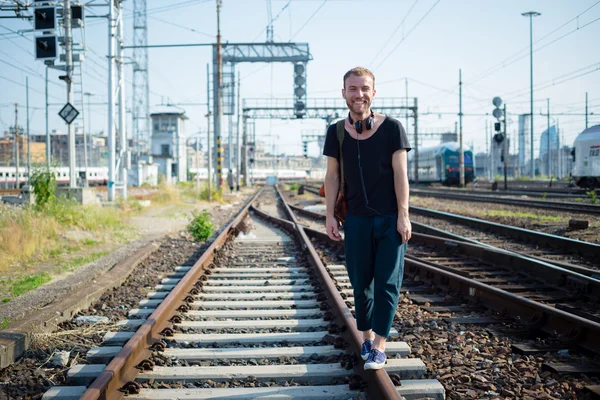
{"points": [[441, 164]]}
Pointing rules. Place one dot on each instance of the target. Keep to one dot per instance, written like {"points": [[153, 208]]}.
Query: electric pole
{"points": [[219, 101], [28, 133], [208, 148], [549, 152], [461, 156], [237, 139], [16, 146]]}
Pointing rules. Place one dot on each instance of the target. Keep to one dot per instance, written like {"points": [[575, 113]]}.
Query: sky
{"points": [[421, 44]]}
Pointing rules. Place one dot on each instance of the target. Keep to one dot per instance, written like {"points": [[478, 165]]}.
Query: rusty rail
{"points": [[569, 327], [383, 387], [124, 367]]}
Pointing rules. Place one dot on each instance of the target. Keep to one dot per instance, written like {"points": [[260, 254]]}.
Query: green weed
{"points": [[592, 197], [4, 324], [200, 226]]}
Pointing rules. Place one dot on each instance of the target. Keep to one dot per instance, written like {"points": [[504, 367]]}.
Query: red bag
{"points": [[341, 205]]}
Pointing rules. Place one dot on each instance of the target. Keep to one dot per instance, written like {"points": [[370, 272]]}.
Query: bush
{"points": [[44, 186], [201, 226]]}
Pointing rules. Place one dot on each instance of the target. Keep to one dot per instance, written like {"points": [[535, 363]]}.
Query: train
{"points": [[96, 175], [441, 164], [99, 175], [586, 155]]}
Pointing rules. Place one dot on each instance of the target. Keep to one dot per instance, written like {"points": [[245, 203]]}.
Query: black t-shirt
{"points": [[376, 162]]}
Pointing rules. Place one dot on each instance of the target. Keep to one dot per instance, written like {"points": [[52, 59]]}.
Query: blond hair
{"points": [[359, 71]]}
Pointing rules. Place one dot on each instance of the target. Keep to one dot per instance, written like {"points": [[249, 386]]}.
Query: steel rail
{"points": [[384, 387], [572, 328], [567, 245], [124, 367], [430, 230], [593, 209]]}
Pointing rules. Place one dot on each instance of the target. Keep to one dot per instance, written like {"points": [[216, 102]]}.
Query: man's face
{"points": [[358, 92]]}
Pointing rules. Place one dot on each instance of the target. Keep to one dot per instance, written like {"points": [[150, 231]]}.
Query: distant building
{"points": [[168, 148], [524, 164], [553, 154]]}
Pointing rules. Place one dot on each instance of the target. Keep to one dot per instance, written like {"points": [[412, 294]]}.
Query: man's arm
{"points": [[399, 165], [332, 186]]}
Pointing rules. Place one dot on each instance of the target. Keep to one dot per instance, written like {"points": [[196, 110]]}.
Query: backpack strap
{"points": [[340, 137]]}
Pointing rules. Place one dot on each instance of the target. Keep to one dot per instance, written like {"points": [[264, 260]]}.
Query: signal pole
{"points": [[237, 140], [68, 79]]}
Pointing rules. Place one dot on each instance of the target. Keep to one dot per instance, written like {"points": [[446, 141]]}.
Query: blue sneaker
{"points": [[366, 349], [376, 359]]}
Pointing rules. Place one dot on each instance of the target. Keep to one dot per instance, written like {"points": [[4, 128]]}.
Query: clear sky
{"points": [[425, 41]]}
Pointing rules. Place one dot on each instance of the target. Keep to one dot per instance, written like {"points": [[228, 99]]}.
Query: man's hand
{"points": [[331, 225], [404, 228]]}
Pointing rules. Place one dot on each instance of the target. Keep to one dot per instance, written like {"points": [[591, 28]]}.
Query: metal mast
{"points": [[141, 92]]}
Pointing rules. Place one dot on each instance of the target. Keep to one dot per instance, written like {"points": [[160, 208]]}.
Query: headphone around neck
{"points": [[358, 125]]}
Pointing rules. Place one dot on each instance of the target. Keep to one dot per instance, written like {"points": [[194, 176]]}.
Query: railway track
{"points": [[257, 315], [530, 279], [580, 208], [559, 304], [574, 255]]}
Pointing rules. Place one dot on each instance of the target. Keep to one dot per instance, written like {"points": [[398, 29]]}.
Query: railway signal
{"points": [[500, 136]]}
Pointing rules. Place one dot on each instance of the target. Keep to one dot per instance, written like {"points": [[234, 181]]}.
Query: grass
{"points": [[518, 214], [24, 285], [4, 324], [78, 261]]}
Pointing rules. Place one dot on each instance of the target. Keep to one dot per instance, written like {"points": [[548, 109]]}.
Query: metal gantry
{"points": [[328, 109], [141, 92], [233, 53]]}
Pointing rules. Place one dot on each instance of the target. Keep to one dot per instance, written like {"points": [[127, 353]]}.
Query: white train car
{"points": [[96, 175], [586, 166]]}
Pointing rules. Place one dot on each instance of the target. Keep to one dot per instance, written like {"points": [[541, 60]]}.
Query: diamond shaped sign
{"points": [[68, 113]]}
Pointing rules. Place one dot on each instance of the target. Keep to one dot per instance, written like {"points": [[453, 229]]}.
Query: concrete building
{"points": [[168, 145]]}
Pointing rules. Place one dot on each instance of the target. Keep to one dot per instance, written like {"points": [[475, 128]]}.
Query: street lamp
{"points": [[531, 14], [89, 129]]}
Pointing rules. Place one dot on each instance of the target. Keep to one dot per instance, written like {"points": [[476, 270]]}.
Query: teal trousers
{"points": [[375, 265]]}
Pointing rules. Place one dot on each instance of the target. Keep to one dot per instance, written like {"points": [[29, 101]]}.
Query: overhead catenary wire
{"points": [[408, 33], [401, 24]]}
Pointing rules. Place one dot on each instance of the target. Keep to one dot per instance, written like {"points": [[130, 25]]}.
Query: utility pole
{"points": [[219, 100], [461, 156], [531, 14], [549, 150], [208, 148], [487, 149], [28, 133], [123, 152], [111, 103], [237, 139], [48, 149], [416, 142], [406, 97], [68, 79], [16, 146], [586, 110]]}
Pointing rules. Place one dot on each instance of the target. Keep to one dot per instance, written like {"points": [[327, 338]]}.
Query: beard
{"points": [[359, 109]]}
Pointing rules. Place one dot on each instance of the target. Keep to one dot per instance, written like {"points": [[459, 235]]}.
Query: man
{"points": [[377, 227]]}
